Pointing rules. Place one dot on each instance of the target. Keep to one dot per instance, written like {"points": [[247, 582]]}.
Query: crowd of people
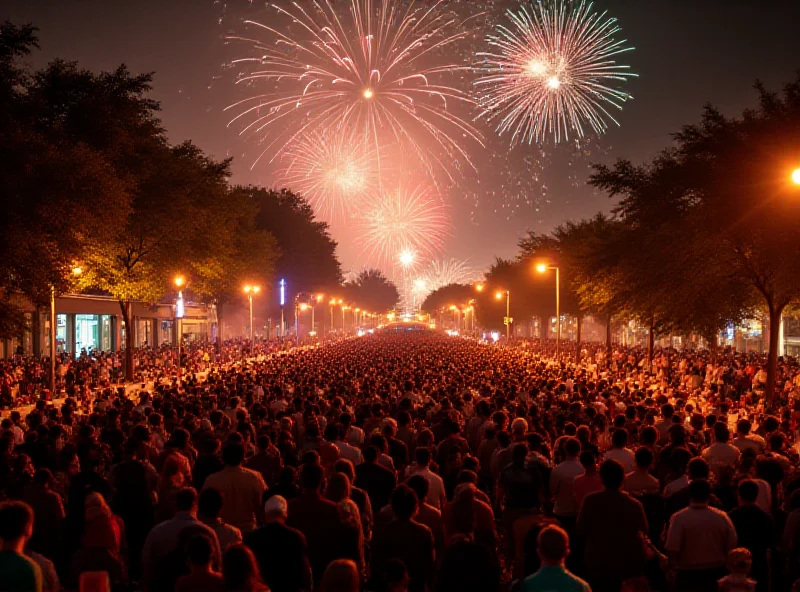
{"points": [[409, 460], [24, 379]]}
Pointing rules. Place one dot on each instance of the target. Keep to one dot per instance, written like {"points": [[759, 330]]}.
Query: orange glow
{"points": [[499, 295], [479, 287], [304, 306], [179, 281], [796, 176]]}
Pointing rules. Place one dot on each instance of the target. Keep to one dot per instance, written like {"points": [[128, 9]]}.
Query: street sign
{"points": [[508, 320]]}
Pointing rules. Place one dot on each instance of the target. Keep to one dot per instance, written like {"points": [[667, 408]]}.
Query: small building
{"points": [[94, 323]]}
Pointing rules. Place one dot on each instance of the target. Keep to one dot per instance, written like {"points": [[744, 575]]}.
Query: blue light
{"points": [[180, 309], [283, 292]]}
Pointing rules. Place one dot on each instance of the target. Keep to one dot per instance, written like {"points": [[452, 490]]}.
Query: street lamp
{"points": [[499, 296], [250, 290], [179, 282], [318, 298], [479, 287], [344, 308], [543, 268], [796, 176], [76, 271]]}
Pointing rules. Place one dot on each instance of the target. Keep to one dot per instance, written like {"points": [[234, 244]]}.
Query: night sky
{"points": [[688, 53]]}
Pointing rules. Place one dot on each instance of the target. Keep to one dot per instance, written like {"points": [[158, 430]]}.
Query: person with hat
{"points": [[280, 550]]}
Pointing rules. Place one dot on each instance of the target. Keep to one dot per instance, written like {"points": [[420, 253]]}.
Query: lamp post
{"points": [[76, 271], [250, 290], [180, 281], [543, 268], [344, 308], [282, 301], [499, 296]]}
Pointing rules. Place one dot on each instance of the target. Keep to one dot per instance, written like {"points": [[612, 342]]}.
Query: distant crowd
{"points": [[407, 461]]}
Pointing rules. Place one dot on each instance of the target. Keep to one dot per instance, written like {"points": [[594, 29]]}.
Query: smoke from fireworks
{"points": [[377, 71], [552, 72], [334, 173], [404, 221]]}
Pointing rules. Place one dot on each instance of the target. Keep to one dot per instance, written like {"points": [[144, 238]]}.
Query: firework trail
{"points": [[552, 72]]}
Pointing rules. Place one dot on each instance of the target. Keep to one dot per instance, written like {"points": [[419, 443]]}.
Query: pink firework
{"points": [[335, 173], [378, 69], [404, 221]]}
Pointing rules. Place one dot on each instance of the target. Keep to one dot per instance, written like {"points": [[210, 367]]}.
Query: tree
{"points": [[372, 291], [556, 249], [443, 298], [230, 253], [60, 197], [723, 195], [307, 259]]}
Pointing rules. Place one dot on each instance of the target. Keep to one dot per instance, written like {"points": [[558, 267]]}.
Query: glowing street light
{"points": [[76, 271], [796, 176], [544, 268], [179, 282], [479, 287], [499, 296], [250, 290]]}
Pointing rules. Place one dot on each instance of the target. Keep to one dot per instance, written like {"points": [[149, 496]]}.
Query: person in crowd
{"points": [[241, 488], [209, 509], [375, 479], [164, 537], [612, 525], [699, 539], [201, 576], [240, 570], [405, 539], [553, 549], [639, 481], [316, 518], [17, 570], [341, 575], [280, 550], [755, 531], [562, 484]]}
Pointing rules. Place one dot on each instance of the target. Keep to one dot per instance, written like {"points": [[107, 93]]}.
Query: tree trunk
{"points": [[608, 336], [775, 313], [219, 327], [579, 320], [125, 307]]}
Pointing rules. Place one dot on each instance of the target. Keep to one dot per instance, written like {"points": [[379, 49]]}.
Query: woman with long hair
{"points": [[240, 570], [352, 540], [338, 488], [101, 544], [341, 576], [171, 481]]}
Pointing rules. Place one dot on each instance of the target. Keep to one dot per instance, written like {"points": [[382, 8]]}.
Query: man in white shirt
{"points": [[436, 492], [745, 440], [699, 540], [619, 452], [721, 454], [561, 481], [347, 451]]}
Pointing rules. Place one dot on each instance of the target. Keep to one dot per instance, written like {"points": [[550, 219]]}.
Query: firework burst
{"points": [[443, 272], [552, 72], [404, 221], [378, 71], [334, 173]]}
